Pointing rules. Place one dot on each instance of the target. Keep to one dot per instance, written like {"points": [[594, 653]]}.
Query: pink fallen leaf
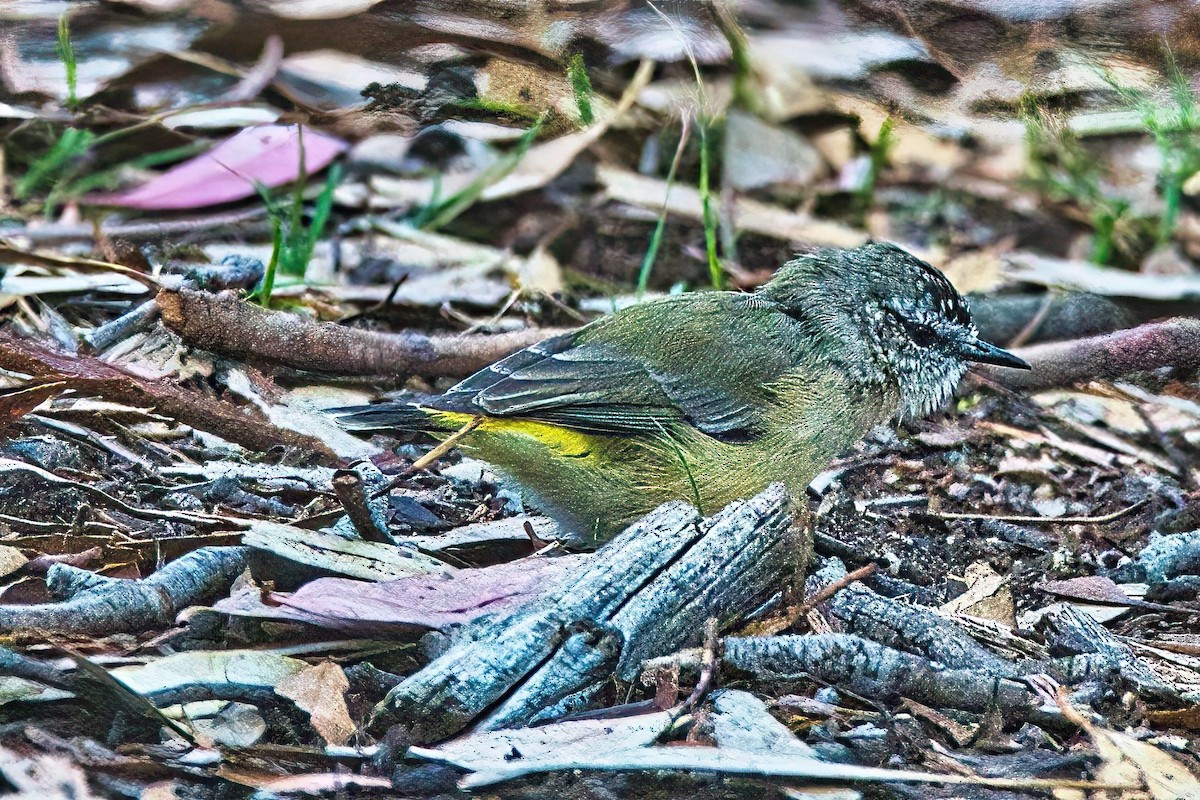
{"points": [[267, 155], [426, 601]]}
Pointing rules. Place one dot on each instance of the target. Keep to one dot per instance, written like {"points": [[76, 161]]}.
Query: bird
{"points": [[709, 397]]}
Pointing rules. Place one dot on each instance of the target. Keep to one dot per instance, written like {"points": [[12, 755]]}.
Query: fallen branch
{"points": [[97, 605], [646, 593], [867, 668], [1165, 557], [909, 628], [1174, 343], [229, 326], [88, 375], [1098, 654]]}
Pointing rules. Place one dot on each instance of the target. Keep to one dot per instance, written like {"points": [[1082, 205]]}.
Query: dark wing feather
{"points": [[594, 387]]}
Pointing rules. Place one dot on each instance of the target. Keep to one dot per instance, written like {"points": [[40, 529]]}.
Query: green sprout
{"points": [[581, 85], [881, 151], [1061, 169], [660, 225], [716, 274], [439, 213], [66, 54], [293, 241], [1175, 126], [71, 145]]}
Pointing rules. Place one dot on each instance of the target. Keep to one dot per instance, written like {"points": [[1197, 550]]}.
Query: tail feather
{"points": [[407, 416]]}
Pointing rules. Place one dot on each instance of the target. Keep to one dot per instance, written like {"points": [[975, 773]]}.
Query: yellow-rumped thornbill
{"points": [[710, 396]]}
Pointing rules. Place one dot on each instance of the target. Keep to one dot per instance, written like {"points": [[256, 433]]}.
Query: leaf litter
{"points": [[171, 515]]}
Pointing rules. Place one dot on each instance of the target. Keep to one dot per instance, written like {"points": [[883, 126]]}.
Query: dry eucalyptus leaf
{"points": [[320, 691]]}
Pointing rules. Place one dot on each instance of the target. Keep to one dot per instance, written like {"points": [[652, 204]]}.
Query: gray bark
{"points": [[626, 604]]}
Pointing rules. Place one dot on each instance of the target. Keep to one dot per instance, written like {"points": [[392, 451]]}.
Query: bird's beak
{"points": [[987, 353]]}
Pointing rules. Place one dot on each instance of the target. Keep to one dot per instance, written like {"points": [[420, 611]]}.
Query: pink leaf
{"points": [[268, 154], [428, 601]]}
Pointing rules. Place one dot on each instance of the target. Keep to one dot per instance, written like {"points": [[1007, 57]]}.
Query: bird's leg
{"points": [[801, 536]]}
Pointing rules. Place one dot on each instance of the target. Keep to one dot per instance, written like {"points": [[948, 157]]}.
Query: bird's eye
{"points": [[921, 334]]}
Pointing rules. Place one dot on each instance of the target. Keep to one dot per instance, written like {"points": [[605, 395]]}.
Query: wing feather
{"points": [[584, 382]]}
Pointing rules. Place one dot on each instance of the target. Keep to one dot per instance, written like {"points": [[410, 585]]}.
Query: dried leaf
{"points": [[320, 691], [269, 155], [1097, 589], [425, 601], [244, 668]]}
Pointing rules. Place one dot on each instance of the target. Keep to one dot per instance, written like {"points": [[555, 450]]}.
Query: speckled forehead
{"points": [[937, 293]]}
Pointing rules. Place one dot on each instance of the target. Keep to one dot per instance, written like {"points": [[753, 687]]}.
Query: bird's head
{"points": [[886, 318]]}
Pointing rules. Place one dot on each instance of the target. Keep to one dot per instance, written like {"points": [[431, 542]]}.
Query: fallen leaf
{"points": [[759, 154], [1097, 589], [426, 601], [267, 155], [11, 560], [319, 691], [244, 668], [987, 596]]}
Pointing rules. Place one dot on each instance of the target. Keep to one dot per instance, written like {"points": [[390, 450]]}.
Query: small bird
{"points": [[710, 396]]}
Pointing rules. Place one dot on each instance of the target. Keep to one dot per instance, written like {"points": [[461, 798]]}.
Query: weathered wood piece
{"points": [[907, 627], [637, 598], [97, 605], [1098, 654], [786, 663]]}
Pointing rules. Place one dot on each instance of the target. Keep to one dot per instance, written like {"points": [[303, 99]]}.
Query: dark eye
{"points": [[921, 334]]}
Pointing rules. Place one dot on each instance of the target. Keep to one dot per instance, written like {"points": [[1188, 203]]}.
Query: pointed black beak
{"points": [[987, 353]]}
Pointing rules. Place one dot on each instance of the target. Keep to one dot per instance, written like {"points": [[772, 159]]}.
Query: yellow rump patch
{"points": [[568, 442]]}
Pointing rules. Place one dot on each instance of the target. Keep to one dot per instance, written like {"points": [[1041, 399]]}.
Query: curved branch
{"points": [[231, 327], [99, 606], [1174, 343]]}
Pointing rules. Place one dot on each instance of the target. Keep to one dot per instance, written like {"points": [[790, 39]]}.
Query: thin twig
{"points": [[1035, 322], [792, 615], [10, 251], [708, 667], [1042, 520], [445, 446]]}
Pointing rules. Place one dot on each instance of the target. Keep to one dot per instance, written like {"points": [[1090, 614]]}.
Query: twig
{"points": [[185, 517], [10, 252], [1174, 343], [124, 326], [162, 229], [1182, 463], [1042, 520], [367, 514], [100, 606], [224, 324], [90, 375], [1030, 328], [709, 662], [792, 615], [443, 447]]}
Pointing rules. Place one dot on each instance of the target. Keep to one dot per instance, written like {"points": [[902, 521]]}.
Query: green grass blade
{"points": [[447, 210], [66, 54], [716, 274], [581, 85], [659, 226], [71, 144]]}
